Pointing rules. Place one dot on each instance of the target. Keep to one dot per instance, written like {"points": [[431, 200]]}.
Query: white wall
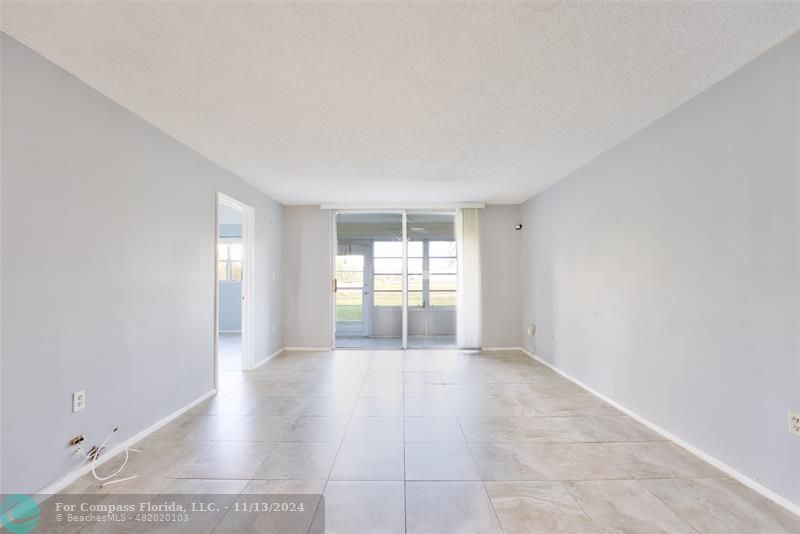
{"points": [[501, 276], [307, 264], [107, 269], [666, 273]]}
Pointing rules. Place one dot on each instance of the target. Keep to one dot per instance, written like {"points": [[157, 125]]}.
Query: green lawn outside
{"points": [[348, 312]]}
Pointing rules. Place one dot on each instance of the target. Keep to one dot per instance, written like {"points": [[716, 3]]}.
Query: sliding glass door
{"points": [[395, 279], [369, 299], [352, 305], [432, 280]]}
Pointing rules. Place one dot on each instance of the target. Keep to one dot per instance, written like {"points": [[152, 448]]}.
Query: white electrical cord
{"points": [[95, 454]]}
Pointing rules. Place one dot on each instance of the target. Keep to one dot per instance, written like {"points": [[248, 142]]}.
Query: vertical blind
{"points": [[469, 278]]}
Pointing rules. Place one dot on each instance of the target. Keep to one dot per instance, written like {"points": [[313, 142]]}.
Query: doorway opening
{"points": [[230, 269], [396, 280], [234, 275]]}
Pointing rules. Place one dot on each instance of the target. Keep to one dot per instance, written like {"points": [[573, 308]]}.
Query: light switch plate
{"points": [[79, 400]]}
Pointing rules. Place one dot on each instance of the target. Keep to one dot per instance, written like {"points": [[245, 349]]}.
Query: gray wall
{"points": [[501, 276], [107, 269], [666, 273], [230, 306], [307, 263]]}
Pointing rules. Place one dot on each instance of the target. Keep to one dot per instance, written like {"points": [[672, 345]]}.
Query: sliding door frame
{"points": [[335, 250], [427, 309]]}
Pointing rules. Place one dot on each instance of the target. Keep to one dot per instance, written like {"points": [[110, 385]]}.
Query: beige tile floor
{"points": [[441, 442]]}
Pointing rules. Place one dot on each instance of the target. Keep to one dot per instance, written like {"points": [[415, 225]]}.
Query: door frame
{"points": [[248, 282]]}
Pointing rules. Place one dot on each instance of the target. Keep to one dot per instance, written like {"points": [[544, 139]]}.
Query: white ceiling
{"points": [[401, 102]]}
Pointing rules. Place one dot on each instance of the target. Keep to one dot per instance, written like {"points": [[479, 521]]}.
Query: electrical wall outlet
{"points": [[79, 400], [794, 423], [532, 329]]}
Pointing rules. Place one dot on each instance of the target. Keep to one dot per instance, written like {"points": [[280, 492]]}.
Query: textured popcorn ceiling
{"points": [[400, 102]]}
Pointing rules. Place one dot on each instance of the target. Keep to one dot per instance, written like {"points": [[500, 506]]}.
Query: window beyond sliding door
{"points": [[432, 316]]}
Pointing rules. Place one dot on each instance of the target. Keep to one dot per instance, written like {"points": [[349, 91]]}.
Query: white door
{"points": [[353, 299]]}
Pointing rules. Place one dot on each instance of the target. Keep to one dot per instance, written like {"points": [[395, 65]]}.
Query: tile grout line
{"points": [[562, 482], [405, 482], [341, 441], [472, 455], [213, 444], [491, 502], [580, 505], [678, 515]]}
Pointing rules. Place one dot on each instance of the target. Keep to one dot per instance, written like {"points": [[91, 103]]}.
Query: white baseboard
{"points": [[498, 349], [725, 468], [268, 358], [74, 475], [308, 349]]}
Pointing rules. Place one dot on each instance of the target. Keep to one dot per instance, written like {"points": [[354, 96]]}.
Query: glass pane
{"points": [[222, 270], [350, 263], [443, 265], [349, 279], [388, 282], [414, 299], [415, 266], [415, 282], [349, 305], [441, 248], [237, 251], [388, 266], [236, 271], [388, 249], [415, 249], [222, 251], [376, 240], [388, 298], [443, 298], [443, 282]]}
